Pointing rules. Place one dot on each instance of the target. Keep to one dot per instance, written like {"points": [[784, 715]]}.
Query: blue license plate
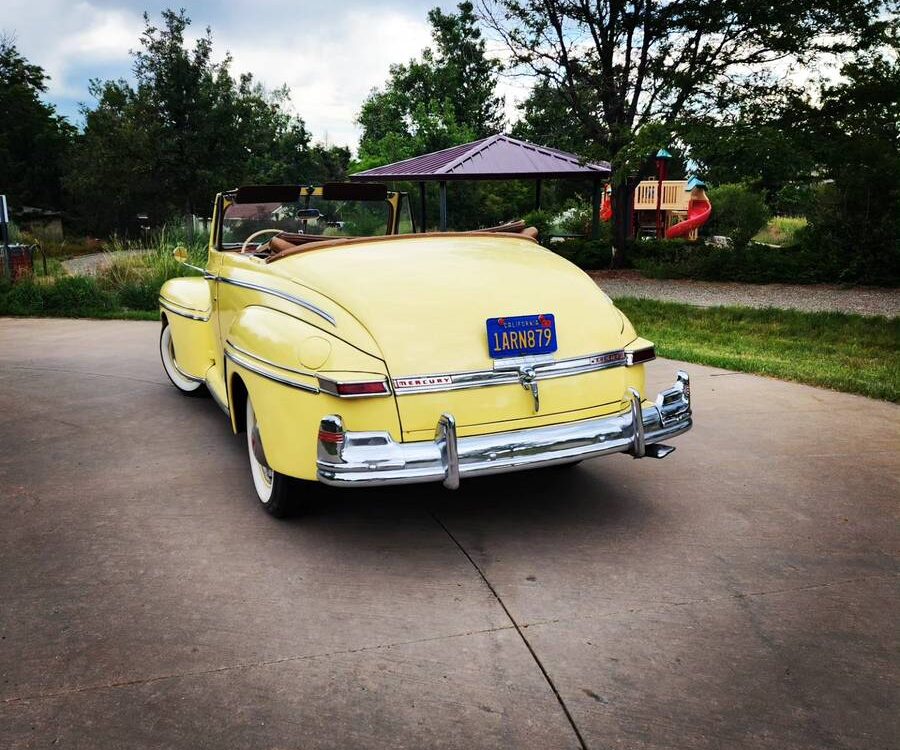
{"points": [[517, 336]]}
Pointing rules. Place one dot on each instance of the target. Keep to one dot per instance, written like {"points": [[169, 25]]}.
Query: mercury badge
{"points": [[528, 380]]}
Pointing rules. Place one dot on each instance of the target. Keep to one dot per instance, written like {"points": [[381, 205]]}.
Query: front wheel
{"points": [[272, 489]]}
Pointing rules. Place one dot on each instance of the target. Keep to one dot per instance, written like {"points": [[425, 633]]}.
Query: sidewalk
{"points": [[811, 298]]}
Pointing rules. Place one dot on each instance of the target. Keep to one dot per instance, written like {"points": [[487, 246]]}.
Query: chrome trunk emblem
{"points": [[528, 380]]}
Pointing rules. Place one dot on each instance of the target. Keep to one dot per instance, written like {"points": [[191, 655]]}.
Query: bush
{"points": [[69, 295], [738, 213], [753, 263], [854, 233], [540, 220], [75, 293], [587, 254]]}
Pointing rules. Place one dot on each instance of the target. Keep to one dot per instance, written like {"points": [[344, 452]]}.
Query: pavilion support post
{"points": [[422, 206], [595, 209], [538, 185], [443, 188]]}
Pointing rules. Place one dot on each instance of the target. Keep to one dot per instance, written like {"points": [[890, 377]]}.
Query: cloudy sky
{"points": [[330, 54]]}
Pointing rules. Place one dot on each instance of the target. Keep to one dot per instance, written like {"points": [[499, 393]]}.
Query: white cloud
{"points": [[330, 59], [330, 72], [59, 36]]}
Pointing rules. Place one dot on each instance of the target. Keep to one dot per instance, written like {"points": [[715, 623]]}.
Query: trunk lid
{"points": [[426, 300]]}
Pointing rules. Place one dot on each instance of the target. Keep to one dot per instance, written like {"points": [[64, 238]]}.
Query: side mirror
{"points": [[180, 254]]}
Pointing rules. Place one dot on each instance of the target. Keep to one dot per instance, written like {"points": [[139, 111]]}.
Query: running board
{"points": [[658, 450]]}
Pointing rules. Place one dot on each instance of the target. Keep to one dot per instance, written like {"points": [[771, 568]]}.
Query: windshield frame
{"points": [[304, 194]]}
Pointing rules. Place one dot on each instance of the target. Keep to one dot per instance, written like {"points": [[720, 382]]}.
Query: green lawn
{"points": [[845, 352]]}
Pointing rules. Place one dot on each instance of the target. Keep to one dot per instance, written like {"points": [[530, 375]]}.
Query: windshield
{"points": [[313, 215]]}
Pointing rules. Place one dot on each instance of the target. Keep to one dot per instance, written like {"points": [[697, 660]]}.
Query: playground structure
{"points": [[664, 208]]}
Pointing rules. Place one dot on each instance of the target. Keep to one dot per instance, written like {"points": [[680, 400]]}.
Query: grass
{"points": [[780, 230], [128, 287], [848, 353]]}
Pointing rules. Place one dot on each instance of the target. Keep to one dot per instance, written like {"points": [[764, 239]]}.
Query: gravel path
{"points": [[89, 265], [811, 298]]}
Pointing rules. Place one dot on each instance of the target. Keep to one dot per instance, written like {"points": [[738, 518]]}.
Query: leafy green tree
{"points": [[855, 130], [621, 66], [444, 98], [188, 129], [34, 140]]}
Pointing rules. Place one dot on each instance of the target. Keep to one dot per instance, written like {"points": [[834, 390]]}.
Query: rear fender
{"points": [[276, 360]]}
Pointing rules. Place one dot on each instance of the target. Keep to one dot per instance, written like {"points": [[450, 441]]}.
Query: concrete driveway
{"points": [[741, 593]]}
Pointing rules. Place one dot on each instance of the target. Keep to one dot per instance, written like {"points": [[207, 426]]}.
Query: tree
{"points": [[621, 65], [185, 131], [854, 130], [445, 98], [34, 140]]}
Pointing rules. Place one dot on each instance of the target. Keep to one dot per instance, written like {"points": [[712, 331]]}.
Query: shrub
{"points": [[853, 236], [541, 221], [74, 294], [738, 213], [587, 254], [753, 263], [70, 295]]}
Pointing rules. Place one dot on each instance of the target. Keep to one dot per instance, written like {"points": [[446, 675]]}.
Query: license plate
{"points": [[517, 336]]}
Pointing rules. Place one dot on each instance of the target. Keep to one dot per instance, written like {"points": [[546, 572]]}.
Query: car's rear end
{"points": [[500, 356]]}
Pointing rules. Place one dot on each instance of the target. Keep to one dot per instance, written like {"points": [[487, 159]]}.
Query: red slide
{"points": [[699, 210], [606, 207]]}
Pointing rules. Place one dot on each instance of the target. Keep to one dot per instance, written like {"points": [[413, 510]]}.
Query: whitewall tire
{"points": [[187, 385], [272, 489]]}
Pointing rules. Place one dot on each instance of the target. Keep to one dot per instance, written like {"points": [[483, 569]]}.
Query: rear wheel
{"points": [[187, 385], [272, 489]]}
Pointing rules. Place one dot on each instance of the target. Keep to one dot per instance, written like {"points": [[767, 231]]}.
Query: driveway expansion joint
{"points": [[520, 630]]}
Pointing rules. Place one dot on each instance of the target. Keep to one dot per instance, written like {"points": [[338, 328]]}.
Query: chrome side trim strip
{"points": [[281, 295], [453, 381], [163, 298], [186, 375], [268, 362], [170, 306], [270, 375]]}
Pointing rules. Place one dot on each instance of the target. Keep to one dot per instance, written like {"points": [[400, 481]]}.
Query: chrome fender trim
{"points": [[281, 295], [274, 377], [201, 315]]}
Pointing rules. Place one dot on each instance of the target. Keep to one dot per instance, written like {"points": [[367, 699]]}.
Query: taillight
{"points": [[353, 388], [362, 389], [639, 356], [326, 436]]}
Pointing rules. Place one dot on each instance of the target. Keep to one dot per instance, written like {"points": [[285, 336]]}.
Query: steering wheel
{"points": [[261, 232]]}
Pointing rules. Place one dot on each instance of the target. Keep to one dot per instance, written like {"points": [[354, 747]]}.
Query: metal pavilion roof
{"points": [[492, 158]]}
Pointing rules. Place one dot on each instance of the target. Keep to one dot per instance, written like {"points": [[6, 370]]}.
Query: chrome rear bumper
{"points": [[363, 459]]}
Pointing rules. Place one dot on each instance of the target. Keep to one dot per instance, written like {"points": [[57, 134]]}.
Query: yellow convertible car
{"points": [[356, 352]]}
